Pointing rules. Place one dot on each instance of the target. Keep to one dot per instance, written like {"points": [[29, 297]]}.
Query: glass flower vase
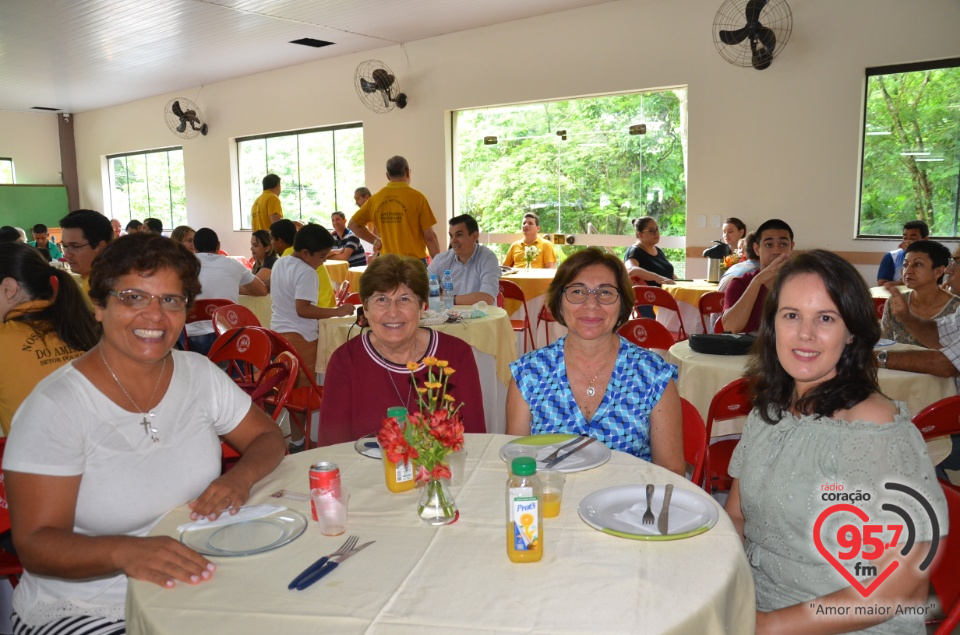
{"points": [[436, 505]]}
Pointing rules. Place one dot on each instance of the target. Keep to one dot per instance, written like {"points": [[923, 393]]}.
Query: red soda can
{"points": [[324, 476]]}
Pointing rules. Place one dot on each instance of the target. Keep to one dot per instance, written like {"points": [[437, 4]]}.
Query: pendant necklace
{"points": [[392, 381], [591, 391], [148, 417]]}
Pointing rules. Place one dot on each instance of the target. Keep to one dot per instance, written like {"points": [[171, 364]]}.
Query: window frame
{"points": [[13, 169], [168, 220]]}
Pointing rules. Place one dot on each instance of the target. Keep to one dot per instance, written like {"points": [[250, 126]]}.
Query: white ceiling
{"points": [[77, 55]]}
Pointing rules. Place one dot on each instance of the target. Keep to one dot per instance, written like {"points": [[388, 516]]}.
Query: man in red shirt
{"points": [[745, 295]]}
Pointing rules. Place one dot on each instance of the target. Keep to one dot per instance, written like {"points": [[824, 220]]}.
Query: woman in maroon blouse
{"points": [[369, 373]]}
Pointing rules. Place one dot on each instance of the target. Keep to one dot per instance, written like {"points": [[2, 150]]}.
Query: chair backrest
{"points": [[352, 298], [499, 300], [279, 344], [879, 304], [4, 509], [943, 575], [718, 327], [512, 291], [647, 333], [242, 344], [709, 304], [939, 418], [231, 316], [276, 382], [694, 440], [340, 294], [730, 402], [203, 309], [655, 296]]}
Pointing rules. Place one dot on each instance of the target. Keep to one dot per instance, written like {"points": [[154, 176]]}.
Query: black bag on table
{"points": [[722, 343]]}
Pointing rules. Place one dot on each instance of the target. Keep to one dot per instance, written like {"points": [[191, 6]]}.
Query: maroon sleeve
{"points": [[465, 383], [735, 289], [336, 413]]}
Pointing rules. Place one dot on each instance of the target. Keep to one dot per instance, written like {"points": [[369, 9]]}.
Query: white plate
{"points": [[593, 455], [247, 537], [368, 446], [619, 511], [884, 342]]}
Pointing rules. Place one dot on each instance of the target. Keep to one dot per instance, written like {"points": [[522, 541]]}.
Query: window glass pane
{"points": [[282, 160], [350, 174], [6, 171], [316, 186], [119, 200], [149, 184], [252, 165], [911, 150]]}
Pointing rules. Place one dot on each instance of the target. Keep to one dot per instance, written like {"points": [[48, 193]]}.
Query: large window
{"points": [[911, 149], [6, 171], [319, 171], [148, 185], [582, 165]]}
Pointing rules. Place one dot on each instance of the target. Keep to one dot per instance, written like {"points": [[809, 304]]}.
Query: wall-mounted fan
{"points": [[752, 32], [184, 118], [378, 87]]}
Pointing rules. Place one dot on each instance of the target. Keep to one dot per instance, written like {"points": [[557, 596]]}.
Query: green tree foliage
{"points": [[149, 185], [911, 152], [599, 174]]}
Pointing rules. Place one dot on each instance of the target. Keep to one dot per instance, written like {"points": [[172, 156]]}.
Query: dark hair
{"points": [[9, 234], [338, 213], [68, 315], [856, 378], [134, 224], [263, 237], [389, 271], [145, 254], [938, 252], [180, 232], [95, 226], [284, 229], [313, 238], [362, 191], [468, 220], [571, 268], [397, 166], [641, 223], [751, 243], [40, 228], [736, 222], [773, 223], [536, 219], [154, 224], [271, 181], [918, 224], [205, 241]]}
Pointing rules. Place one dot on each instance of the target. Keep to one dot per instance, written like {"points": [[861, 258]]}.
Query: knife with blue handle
{"points": [[319, 572]]}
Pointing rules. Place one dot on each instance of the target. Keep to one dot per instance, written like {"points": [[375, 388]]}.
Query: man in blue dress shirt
{"points": [[474, 268]]}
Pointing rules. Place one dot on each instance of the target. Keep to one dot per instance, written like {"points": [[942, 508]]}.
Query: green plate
{"points": [[544, 439]]}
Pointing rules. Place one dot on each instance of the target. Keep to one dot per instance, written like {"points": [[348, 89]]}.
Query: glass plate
{"points": [[247, 537], [368, 446], [619, 511], [884, 342], [594, 455]]}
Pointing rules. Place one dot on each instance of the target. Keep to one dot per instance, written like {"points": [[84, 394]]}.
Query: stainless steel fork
{"points": [[648, 517], [345, 548]]}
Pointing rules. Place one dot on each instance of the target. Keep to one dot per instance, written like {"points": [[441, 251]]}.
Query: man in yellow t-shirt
{"points": [[266, 209], [516, 255], [401, 215]]}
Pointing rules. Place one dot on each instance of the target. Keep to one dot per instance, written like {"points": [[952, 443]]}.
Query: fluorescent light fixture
{"points": [[929, 159], [913, 153], [879, 133]]}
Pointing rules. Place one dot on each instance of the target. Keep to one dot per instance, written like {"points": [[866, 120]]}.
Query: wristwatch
{"points": [[882, 359]]}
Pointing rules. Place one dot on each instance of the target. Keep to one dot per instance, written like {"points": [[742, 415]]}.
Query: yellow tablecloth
{"points": [[425, 580], [353, 275], [261, 306], [687, 293], [338, 270], [882, 292]]}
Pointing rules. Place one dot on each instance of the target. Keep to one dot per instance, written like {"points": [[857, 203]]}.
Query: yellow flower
{"points": [[443, 363], [448, 371], [448, 397], [412, 366], [430, 361], [432, 384], [422, 391]]}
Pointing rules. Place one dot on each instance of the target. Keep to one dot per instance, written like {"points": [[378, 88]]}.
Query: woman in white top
{"points": [[106, 445]]}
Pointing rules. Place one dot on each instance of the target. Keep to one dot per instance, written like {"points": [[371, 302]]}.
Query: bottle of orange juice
{"points": [[399, 477], [524, 512]]}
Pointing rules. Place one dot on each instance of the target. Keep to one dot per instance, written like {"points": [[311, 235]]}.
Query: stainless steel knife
{"points": [[663, 521], [549, 464]]}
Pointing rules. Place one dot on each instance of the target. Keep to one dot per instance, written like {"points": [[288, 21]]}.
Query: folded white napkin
{"points": [[250, 512], [681, 520]]}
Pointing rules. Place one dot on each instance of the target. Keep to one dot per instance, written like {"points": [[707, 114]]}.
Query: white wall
{"points": [[33, 142], [782, 142]]}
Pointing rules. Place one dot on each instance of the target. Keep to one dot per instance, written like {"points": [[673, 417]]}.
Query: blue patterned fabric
{"points": [[622, 422]]}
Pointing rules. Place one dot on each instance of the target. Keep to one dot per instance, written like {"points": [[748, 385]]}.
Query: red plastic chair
{"points": [[545, 316], [694, 440], [655, 296], [9, 563], [352, 298], [718, 327], [512, 291], [247, 350], [232, 316], [732, 401], [939, 419], [943, 575], [878, 305], [709, 304], [202, 310], [647, 333]]}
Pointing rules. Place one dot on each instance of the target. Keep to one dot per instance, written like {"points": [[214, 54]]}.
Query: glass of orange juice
{"points": [[552, 481]]}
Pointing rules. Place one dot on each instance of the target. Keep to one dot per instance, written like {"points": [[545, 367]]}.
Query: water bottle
{"points": [[524, 512], [435, 305], [447, 285]]}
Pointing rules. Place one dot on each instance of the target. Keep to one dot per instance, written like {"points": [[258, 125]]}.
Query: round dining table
{"points": [[687, 293], [417, 578]]}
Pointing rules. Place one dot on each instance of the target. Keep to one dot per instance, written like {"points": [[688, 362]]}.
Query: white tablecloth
{"points": [[418, 579]]}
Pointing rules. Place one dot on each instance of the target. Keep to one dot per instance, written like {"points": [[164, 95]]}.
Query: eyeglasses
{"points": [[382, 302], [579, 294], [655, 230], [137, 299], [73, 247]]}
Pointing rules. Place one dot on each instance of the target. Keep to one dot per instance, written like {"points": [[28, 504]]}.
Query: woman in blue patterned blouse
{"points": [[592, 382]]}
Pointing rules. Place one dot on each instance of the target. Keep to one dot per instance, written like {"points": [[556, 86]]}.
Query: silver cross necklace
{"points": [[148, 417]]}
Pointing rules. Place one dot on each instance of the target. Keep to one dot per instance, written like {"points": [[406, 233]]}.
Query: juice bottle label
{"points": [[523, 516], [404, 472]]}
